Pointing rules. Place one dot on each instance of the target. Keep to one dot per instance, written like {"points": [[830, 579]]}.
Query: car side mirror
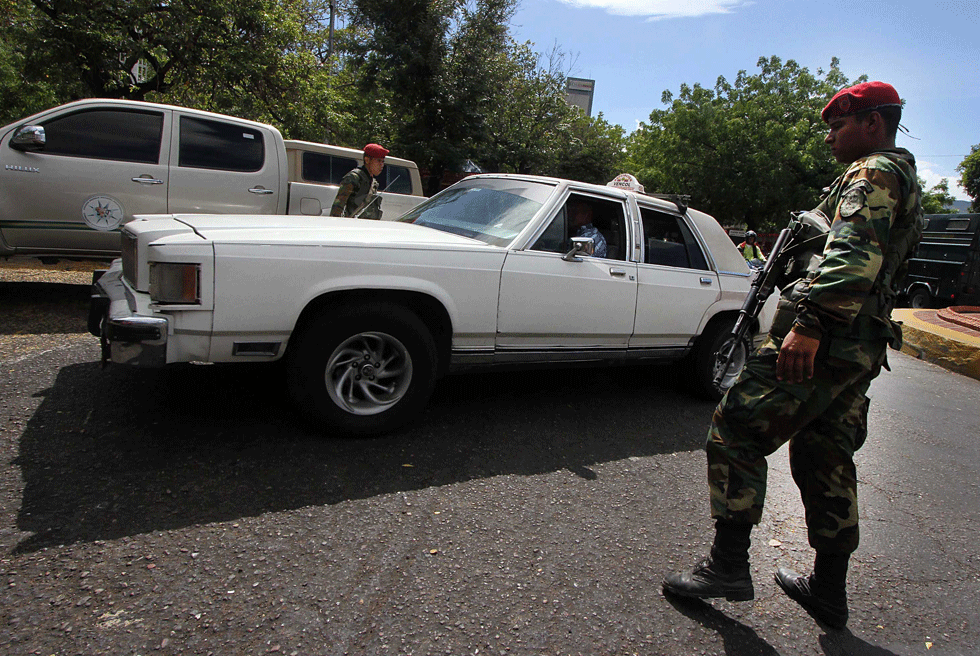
{"points": [[28, 139], [580, 246]]}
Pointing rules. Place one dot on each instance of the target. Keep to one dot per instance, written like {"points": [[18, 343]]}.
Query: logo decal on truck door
{"points": [[102, 213]]}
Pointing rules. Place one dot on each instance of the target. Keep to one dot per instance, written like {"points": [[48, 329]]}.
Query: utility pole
{"points": [[330, 38]]}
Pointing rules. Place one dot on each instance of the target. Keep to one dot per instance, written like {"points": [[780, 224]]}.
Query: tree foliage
{"points": [[937, 200], [748, 152], [431, 61], [252, 58], [969, 170]]}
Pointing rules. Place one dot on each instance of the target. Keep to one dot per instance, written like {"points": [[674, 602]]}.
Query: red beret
{"points": [[860, 98], [374, 150]]}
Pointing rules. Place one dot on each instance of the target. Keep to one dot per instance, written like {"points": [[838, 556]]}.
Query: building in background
{"points": [[579, 92]]}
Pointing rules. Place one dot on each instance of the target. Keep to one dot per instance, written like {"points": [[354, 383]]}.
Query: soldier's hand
{"points": [[796, 357]]}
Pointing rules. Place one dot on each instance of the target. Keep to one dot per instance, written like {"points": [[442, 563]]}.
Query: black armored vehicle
{"points": [[945, 269]]}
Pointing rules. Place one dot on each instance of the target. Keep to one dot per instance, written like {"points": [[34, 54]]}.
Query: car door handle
{"points": [[148, 181], [705, 281], [262, 191], [614, 271]]}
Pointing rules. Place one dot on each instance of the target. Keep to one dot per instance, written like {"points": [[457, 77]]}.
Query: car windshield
{"points": [[491, 210]]}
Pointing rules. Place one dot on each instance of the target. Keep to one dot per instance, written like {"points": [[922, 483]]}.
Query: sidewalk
{"points": [[949, 337]]}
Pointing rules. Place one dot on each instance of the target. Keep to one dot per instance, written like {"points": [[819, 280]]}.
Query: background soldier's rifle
{"points": [[806, 232], [377, 197]]}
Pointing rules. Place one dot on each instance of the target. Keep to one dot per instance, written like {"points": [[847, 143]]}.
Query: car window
{"points": [[586, 216], [112, 134], [326, 169], [670, 242], [491, 210], [217, 145]]}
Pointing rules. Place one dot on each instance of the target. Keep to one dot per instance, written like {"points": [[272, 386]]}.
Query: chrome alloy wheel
{"points": [[368, 373], [738, 363]]}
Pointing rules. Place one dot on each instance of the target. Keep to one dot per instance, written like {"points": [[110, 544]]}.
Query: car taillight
{"points": [[175, 284]]}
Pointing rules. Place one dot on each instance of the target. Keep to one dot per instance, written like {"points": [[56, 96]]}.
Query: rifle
{"points": [[357, 214], [805, 232]]}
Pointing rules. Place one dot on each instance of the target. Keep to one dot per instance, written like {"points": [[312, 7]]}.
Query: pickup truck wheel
{"points": [[363, 370], [708, 359], [919, 299]]}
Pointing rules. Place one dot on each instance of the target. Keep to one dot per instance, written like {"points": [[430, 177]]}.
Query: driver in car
{"points": [[580, 225]]}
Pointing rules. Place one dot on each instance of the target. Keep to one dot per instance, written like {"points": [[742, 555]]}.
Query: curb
{"points": [[945, 337]]}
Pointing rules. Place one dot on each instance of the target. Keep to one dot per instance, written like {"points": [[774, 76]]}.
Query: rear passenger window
{"points": [[670, 242], [112, 134], [207, 144], [326, 169]]}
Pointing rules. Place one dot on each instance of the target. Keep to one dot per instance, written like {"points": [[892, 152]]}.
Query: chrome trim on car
{"points": [[127, 338], [474, 359]]}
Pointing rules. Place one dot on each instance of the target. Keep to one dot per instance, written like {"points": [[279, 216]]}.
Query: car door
{"points": [[225, 166], [675, 283], [552, 308], [98, 167]]}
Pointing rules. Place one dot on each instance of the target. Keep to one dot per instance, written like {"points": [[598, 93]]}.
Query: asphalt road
{"points": [[189, 511]]}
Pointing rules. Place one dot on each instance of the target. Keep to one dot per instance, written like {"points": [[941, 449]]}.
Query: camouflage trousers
{"points": [[824, 420]]}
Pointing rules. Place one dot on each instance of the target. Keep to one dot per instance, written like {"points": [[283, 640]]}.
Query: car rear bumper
{"points": [[127, 337]]}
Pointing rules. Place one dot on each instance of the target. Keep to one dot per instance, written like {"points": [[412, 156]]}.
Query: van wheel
{"points": [[920, 299], [709, 357], [363, 370]]}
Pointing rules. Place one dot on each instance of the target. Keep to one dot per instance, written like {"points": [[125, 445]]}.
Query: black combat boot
{"points": [[724, 573], [824, 593]]}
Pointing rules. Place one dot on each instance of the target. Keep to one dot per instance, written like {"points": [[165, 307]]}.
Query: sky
{"points": [[636, 49]]}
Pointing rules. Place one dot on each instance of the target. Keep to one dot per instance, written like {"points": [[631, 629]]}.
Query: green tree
{"points": [[969, 170], [260, 59], [592, 150], [748, 152], [525, 132], [937, 200], [429, 59]]}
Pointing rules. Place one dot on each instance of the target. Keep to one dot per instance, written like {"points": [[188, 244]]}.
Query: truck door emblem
{"points": [[102, 213]]}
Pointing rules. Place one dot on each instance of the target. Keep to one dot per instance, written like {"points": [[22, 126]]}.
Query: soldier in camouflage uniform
{"points": [[807, 383], [358, 192]]}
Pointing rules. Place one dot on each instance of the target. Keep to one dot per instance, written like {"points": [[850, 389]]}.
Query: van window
{"points": [[398, 177], [326, 169], [207, 144], [113, 134]]}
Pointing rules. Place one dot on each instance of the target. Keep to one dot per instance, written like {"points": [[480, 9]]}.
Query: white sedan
{"points": [[495, 270]]}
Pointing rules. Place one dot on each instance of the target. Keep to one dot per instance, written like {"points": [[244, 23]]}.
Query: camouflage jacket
{"points": [[876, 220], [357, 190]]}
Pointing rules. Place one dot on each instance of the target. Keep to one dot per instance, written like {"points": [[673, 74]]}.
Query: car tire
{"points": [[362, 370], [920, 299], [715, 341]]}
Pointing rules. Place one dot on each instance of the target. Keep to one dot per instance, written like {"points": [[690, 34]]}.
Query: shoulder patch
{"points": [[854, 198]]}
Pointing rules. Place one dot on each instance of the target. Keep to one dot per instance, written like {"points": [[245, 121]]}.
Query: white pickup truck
{"points": [[72, 175]]}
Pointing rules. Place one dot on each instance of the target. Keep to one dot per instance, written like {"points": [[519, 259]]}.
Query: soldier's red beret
{"points": [[860, 98], [374, 150]]}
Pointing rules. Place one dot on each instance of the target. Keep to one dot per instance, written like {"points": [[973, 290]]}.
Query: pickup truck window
{"points": [[670, 242], [329, 169], [216, 145], [326, 169], [398, 177], [112, 134]]}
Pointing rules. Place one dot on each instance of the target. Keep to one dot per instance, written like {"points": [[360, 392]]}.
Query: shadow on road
{"points": [[124, 451], [43, 308], [739, 639]]}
